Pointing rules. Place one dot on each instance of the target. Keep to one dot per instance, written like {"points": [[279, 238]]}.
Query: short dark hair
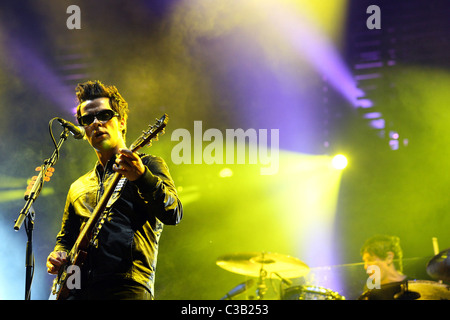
{"points": [[90, 90], [380, 245]]}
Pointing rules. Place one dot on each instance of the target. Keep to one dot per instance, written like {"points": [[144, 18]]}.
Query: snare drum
{"points": [[310, 293]]}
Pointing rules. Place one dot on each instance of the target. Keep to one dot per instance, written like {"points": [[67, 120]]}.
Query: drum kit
{"points": [[265, 265]]}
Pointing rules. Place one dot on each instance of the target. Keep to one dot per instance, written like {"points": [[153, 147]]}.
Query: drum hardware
{"points": [[283, 280], [241, 288], [267, 265], [263, 265], [406, 294], [423, 290], [307, 292], [438, 267], [262, 288], [275, 265]]}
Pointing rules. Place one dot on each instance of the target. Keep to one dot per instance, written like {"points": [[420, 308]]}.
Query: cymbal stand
{"points": [[436, 249], [262, 288]]}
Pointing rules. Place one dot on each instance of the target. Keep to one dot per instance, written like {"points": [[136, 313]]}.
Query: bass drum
{"points": [[310, 293], [425, 290]]}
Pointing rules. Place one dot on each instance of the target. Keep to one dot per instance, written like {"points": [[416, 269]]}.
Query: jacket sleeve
{"points": [[157, 188]]}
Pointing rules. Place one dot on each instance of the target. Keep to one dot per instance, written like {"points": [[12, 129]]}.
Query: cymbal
{"points": [[439, 266], [251, 264]]}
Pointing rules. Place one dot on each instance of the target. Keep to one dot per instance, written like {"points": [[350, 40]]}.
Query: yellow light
{"points": [[339, 162], [225, 173]]}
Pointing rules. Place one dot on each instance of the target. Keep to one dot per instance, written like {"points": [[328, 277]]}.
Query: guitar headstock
{"points": [[147, 136]]}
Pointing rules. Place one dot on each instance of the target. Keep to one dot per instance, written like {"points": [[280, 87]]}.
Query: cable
{"points": [[50, 123]]}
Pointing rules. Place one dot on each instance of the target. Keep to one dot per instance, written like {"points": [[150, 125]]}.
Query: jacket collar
{"points": [[99, 168]]}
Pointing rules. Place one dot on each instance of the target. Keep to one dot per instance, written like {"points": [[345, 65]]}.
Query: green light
{"points": [[339, 162]]}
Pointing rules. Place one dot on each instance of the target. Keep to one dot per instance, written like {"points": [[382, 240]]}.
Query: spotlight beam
{"points": [[317, 48], [31, 68]]}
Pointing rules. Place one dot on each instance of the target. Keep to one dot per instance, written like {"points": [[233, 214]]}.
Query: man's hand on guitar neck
{"points": [[129, 164], [55, 260]]}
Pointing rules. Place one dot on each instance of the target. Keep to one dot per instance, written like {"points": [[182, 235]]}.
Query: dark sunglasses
{"points": [[104, 115]]}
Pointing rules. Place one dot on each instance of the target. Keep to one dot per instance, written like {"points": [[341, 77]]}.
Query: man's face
{"points": [[103, 136], [383, 264]]}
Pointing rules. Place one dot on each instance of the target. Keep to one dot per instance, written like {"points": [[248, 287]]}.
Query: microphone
{"points": [[238, 289], [78, 132]]}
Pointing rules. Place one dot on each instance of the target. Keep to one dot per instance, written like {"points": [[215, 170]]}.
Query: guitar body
{"points": [[78, 254], [60, 284]]}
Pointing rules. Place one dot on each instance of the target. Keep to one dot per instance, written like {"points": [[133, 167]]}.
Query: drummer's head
{"points": [[384, 251]]}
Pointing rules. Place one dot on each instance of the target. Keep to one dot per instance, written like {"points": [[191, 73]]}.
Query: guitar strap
{"points": [[115, 195]]}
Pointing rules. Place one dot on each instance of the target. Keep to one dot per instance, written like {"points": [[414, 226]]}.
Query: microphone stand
{"points": [[28, 213]]}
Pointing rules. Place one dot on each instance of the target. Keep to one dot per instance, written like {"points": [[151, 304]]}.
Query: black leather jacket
{"points": [[128, 241]]}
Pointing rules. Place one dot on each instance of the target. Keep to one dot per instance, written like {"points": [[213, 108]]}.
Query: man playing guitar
{"points": [[120, 262]]}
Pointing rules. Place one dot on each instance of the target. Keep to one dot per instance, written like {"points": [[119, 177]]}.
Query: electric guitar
{"points": [[78, 253]]}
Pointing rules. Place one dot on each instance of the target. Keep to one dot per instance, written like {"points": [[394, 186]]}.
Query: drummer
{"points": [[384, 252]]}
